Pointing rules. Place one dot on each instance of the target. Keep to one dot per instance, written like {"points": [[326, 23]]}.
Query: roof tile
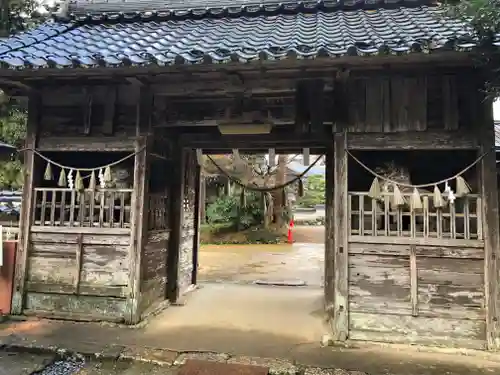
{"points": [[363, 32]]}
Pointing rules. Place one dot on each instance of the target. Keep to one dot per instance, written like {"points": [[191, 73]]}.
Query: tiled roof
{"points": [[182, 8], [300, 30]]}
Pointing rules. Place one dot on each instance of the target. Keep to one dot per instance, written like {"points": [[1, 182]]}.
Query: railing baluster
{"points": [[62, 208], [361, 215], [43, 207], [466, 219], [111, 209], [72, 208]]}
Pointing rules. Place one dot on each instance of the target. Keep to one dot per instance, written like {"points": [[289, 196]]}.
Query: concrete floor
{"points": [[291, 313]]}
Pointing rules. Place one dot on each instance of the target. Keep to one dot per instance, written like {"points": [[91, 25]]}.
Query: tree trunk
{"points": [[4, 18]]}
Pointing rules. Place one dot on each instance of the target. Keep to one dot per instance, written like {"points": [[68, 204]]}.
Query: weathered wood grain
{"points": [[417, 330], [25, 219], [76, 307], [420, 251], [341, 276]]}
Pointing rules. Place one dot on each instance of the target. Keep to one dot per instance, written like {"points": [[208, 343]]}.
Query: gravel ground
{"points": [[13, 363], [67, 366]]}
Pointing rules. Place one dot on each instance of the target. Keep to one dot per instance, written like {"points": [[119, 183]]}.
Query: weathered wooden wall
{"points": [[409, 101], [78, 273], [187, 248], [154, 254], [432, 295]]}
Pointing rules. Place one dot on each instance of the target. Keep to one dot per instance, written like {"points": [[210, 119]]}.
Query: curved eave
{"points": [[194, 57], [435, 59], [133, 11]]}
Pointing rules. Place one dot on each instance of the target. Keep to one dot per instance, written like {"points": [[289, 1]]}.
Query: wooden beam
{"points": [[176, 209], [214, 140], [33, 123], [86, 143], [341, 285], [139, 216], [199, 200], [432, 140], [490, 221], [329, 283]]}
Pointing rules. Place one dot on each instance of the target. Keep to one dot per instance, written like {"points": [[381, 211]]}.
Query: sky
{"points": [[496, 110]]}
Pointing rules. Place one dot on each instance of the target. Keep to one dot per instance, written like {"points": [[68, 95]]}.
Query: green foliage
{"points": [[314, 192], [228, 210], [13, 132], [224, 234], [21, 15], [484, 17]]}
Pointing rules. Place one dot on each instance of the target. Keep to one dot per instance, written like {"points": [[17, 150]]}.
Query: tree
{"points": [[253, 171], [484, 18], [16, 16], [314, 192]]}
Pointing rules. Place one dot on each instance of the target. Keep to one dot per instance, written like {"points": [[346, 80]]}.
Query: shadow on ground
{"points": [[242, 321]]}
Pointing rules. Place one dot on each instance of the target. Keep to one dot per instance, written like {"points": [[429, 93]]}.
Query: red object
{"points": [[7, 276], [290, 234]]}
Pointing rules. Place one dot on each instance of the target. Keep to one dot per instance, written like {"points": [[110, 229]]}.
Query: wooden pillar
{"points": [[341, 290], [203, 199], [197, 220], [140, 202], [489, 193], [329, 286], [176, 219], [34, 111]]}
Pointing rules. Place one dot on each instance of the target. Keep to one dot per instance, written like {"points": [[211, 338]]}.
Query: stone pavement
{"points": [[109, 343], [15, 363], [234, 324]]}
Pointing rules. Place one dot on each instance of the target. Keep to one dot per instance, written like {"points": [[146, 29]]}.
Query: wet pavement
{"points": [[14, 363], [247, 264]]}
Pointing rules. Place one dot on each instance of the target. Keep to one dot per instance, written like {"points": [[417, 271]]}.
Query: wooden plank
{"points": [[78, 230], [140, 203], [329, 283], [412, 140], [450, 102], [356, 91], [87, 110], [26, 216], [88, 239], [426, 251], [416, 241], [374, 105], [109, 111], [78, 265], [413, 281], [418, 101], [98, 308], [490, 223], [341, 307], [197, 221], [415, 326], [400, 103], [437, 304], [115, 143], [417, 330], [83, 290], [176, 215]]}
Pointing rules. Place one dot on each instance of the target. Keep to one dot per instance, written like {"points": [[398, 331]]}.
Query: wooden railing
{"points": [[108, 208], [369, 217]]}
